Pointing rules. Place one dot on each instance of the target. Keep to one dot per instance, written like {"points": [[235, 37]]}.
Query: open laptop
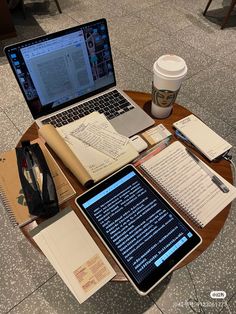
{"points": [[69, 74]]}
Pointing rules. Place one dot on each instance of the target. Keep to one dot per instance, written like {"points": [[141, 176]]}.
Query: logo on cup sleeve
{"points": [[163, 98]]}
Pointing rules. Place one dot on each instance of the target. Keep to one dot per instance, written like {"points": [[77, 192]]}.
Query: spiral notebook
{"points": [[187, 184]]}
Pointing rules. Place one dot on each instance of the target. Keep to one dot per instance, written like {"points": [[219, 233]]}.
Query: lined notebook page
{"points": [[188, 184]]}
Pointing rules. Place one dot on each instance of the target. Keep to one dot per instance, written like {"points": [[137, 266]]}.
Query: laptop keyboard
{"points": [[111, 104]]}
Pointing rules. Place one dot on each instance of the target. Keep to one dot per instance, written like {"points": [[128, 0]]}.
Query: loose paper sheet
{"points": [[97, 164], [100, 136]]}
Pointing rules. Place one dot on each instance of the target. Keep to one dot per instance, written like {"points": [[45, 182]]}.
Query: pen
{"points": [[213, 177], [182, 137]]}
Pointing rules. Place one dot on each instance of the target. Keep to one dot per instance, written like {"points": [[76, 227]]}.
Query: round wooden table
{"points": [[208, 233]]}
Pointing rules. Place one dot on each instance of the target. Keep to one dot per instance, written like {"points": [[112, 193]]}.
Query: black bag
{"points": [[36, 180]]}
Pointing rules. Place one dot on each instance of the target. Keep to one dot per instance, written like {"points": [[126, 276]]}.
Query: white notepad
{"points": [[187, 184], [202, 137], [73, 253]]}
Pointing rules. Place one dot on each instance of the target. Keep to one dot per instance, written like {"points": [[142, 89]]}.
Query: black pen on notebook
{"points": [[213, 177]]}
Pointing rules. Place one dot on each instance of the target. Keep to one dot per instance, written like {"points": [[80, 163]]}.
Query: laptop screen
{"points": [[59, 69]]}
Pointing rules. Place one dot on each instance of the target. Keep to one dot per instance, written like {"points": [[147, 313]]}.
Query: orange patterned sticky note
{"points": [[91, 273]]}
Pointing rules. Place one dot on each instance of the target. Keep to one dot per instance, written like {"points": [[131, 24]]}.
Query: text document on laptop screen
{"points": [[61, 68]]}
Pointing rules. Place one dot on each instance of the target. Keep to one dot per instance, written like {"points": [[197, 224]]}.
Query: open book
{"points": [[90, 147], [187, 184]]}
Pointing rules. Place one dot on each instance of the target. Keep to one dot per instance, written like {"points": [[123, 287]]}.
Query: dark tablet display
{"points": [[144, 233]]}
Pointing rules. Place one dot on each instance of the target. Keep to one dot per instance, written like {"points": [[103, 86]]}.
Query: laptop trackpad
{"points": [[132, 122]]}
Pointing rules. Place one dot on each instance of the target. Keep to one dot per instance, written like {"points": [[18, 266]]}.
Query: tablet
{"points": [[141, 230]]}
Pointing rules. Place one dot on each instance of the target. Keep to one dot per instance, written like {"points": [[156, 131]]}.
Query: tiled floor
{"points": [[140, 32]]}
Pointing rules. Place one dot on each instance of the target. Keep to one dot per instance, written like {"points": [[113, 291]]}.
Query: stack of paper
{"points": [[73, 253]]}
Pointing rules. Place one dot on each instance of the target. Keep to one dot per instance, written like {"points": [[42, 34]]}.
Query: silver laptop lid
{"points": [[59, 69]]}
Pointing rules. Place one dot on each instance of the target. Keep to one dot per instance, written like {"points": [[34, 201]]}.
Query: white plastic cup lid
{"points": [[170, 66]]}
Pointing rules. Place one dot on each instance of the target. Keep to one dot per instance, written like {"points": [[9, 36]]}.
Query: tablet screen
{"points": [[143, 232]]}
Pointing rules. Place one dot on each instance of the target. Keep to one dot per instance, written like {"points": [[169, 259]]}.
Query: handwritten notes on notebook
{"points": [[99, 135], [97, 159], [190, 187]]}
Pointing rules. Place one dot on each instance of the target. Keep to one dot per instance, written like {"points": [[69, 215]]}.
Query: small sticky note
{"points": [[156, 134], [91, 273]]}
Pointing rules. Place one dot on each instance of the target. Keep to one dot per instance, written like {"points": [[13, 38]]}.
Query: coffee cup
{"points": [[169, 71]]}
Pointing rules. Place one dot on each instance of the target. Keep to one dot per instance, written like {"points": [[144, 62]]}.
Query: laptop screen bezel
{"points": [[44, 112]]}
